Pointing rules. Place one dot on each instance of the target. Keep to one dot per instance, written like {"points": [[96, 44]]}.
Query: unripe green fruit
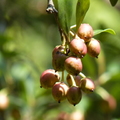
{"points": [[85, 32], [48, 78], [58, 58], [93, 48], [77, 80], [74, 95], [78, 47], [73, 65], [59, 91], [87, 85]]}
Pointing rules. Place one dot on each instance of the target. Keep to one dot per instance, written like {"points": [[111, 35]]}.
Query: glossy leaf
{"points": [[81, 9], [65, 13], [111, 31], [113, 2]]}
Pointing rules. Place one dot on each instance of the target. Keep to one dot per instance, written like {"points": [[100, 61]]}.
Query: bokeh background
{"points": [[27, 37]]}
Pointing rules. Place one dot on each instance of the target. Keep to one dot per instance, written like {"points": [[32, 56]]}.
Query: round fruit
{"points": [[58, 58], [73, 65], [48, 78], [93, 48], [74, 95], [59, 91], [87, 85], [85, 32], [77, 47]]}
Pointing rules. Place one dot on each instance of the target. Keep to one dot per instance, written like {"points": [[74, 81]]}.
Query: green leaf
{"points": [[65, 13], [81, 9], [111, 31], [113, 2]]}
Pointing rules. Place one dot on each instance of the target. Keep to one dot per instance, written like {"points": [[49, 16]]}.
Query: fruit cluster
{"points": [[68, 57]]}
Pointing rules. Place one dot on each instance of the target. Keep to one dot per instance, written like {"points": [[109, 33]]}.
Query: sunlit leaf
{"points": [[65, 13], [81, 9], [111, 31], [113, 2]]}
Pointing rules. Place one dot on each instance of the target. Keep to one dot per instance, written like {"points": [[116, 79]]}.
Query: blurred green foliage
{"points": [[27, 37]]}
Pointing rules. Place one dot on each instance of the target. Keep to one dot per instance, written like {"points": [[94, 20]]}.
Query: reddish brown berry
{"points": [[58, 58], [78, 47], [74, 95], [48, 78], [93, 48], [87, 85], [85, 32], [73, 65], [59, 91]]}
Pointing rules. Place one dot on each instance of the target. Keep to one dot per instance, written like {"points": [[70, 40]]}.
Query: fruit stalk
{"points": [[73, 81], [82, 75]]}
